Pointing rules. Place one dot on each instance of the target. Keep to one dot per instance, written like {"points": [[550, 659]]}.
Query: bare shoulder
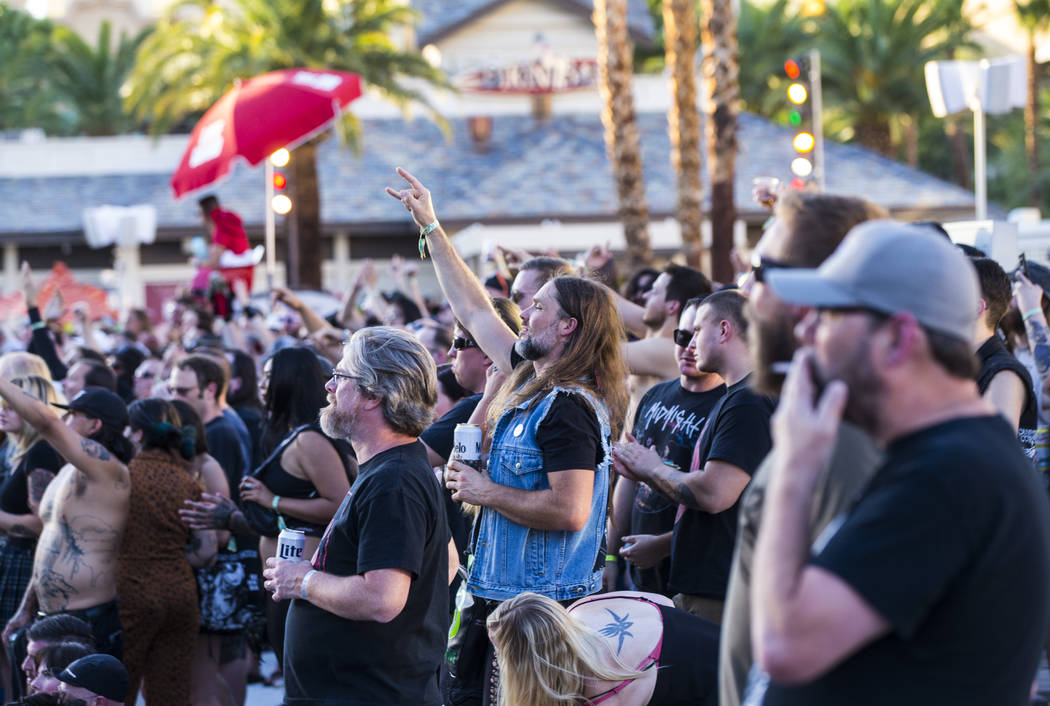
{"points": [[631, 624], [213, 478]]}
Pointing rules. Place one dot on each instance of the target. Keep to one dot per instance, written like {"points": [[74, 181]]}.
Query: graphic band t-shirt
{"points": [[949, 544], [737, 432], [670, 418], [392, 518]]}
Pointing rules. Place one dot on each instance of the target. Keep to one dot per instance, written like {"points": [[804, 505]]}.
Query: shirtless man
{"points": [[83, 510]]}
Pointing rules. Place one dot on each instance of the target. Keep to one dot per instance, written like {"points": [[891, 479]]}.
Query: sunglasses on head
{"points": [[682, 337], [459, 343]]}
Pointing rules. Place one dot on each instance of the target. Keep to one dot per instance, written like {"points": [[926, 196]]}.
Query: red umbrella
{"points": [[259, 116]]}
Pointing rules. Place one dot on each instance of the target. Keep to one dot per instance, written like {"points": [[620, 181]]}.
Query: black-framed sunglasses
{"points": [[460, 342], [762, 265], [682, 337]]}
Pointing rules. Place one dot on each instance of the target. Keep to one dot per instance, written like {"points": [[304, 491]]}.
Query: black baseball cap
{"points": [[100, 674], [101, 404]]}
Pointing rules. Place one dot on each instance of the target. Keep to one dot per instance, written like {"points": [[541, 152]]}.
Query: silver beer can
{"points": [[466, 445], [290, 545]]}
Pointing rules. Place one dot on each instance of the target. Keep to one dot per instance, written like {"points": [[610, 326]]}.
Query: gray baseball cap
{"points": [[891, 267]]}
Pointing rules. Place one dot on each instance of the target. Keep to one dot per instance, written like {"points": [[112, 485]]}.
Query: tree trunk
{"points": [[873, 132], [1031, 120], [305, 245], [720, 70], [621, 127], [683, 122]]}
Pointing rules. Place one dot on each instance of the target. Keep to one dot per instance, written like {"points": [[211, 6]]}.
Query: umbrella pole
{"points": [[271, 229]]}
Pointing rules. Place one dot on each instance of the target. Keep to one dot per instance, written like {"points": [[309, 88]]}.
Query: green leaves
{"points": [[199, 49]]}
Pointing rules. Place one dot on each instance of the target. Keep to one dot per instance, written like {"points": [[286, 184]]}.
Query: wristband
{"points": [[611, 558], [1030, 313], [302, 586], [37, 325], [275, 502], [423, 233]]}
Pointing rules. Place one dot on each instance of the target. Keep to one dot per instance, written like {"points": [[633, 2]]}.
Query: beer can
{"points": [[290, 545], [466, 444]]}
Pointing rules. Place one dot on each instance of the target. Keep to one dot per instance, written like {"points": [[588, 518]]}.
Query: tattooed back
{"points": [[76, 557]]}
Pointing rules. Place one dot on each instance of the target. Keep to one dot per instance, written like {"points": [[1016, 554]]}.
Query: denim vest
{"points": [[510, 558]]}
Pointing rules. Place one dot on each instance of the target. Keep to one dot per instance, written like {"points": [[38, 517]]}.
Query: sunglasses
{"points": [[762, 265], [682, 337], [459, 343]]}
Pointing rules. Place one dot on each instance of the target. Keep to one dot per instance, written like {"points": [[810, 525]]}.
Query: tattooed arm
{"points": [[215, 512], [88, 456], [714, 488], [24, 614]]}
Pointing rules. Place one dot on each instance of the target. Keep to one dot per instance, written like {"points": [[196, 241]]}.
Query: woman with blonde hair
{"points": [[33, 464], [616, 649]]}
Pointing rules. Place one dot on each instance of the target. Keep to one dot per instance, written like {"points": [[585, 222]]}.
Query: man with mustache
{"points": [[806, 229], [932, 588]]}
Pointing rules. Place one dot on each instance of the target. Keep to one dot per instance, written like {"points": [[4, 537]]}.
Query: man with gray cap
{"points": [[932, 589]]}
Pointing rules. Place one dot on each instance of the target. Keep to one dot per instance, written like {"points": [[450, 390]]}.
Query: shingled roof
{"points": [[441, 18], [532, 171]]}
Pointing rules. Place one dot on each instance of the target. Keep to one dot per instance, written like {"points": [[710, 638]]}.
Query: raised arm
{"points": [[311, 320], [40, 341], [465, 293], [88, 456]]}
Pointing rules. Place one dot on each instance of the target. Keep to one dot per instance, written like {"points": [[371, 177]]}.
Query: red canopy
{"points": [[259, 116]]}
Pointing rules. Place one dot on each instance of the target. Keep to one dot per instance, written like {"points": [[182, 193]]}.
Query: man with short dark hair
{"points": [[52, 630], [100, 680], [732, 444], [369, 619], [669, 418], [1002, 379], [945, 557], [533, 274], [86, 372]]}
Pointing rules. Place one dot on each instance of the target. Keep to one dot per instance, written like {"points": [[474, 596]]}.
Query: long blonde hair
{"points": [[593, 355], [18, 364], [546, 656], [38, 388]]}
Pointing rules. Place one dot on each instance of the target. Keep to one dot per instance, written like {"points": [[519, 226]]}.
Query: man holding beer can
{"points": [[370, 612]]}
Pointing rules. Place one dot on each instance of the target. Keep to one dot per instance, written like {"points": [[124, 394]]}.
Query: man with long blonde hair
{"points": [[543, 500]]}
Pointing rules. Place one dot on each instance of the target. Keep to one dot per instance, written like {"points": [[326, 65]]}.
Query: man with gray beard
{"points": [[369, 615]]}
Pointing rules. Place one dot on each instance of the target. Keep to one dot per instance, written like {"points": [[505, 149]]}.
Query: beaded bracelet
{"points": [[423, 233]]}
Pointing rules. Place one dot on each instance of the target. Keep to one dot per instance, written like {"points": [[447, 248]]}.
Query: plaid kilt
{"points": [[16, 568]]}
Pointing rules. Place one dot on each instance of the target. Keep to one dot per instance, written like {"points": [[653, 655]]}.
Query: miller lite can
{"points": [[290, 545], [466, 445]]}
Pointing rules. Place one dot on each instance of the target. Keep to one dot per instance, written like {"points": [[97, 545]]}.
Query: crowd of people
{"points": [[823, 483]]}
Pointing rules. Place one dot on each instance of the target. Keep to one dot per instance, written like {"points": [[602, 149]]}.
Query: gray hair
{"points": [[395, 367]]}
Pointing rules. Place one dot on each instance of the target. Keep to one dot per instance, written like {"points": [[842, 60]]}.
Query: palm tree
{"points": [[683, 118], [27, 99], [1035, 18], [90, 78], [720, 71], [621, 127], [199, 49], [873, 53]]}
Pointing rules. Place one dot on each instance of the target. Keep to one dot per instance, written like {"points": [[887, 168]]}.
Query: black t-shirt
{"points": [[253, 419], [224, 446], [995, 357], [439, 435], [949, 544], [392, 518], [737, 432], [569, 435], [14, 493], [670, 418]]}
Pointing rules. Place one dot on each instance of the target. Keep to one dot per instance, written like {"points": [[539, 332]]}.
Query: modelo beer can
{"points": [[466, 445], [290, 545]]}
